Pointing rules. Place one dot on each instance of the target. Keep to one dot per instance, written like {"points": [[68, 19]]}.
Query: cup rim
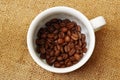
{"points": [[33, 25]]}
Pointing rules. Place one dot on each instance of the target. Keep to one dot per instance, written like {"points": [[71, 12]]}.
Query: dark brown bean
{"points": [[65, 56], [51, 60], [78, 28], [42, 50], [69, 63], [64, 29], [66, 49], [70, 25], [60, 41], [74, 36], [57, 53], [50, 35], [69, 33], [52, 53], [84, 50], [57, 64], [72, 51], [84, 45], [57, 26], [67, 39], [59, 58], [66, 20], [62, 24], [72, 58], [77, 56]]}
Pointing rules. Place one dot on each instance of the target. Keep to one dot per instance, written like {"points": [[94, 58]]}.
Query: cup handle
{"points": [[98, 23]]}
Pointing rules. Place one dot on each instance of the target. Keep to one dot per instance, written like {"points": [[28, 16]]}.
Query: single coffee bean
{"points": [[78, 28], [51, 60], [57, 53], [50, 35], [57, 64], [62, 62], [69, 63], [84, 50], [58, 47], [70, 25], [66, 21], [57, 26], [52, 53], [64, 29], [77, 56], [67, 39], [69, 33], [60, 41], [72, 51], [72, 58], [84, 45], [42, 50], [54, 20], [66, 49], [62, 24], [74, 36], [59, 58], [65, 56], [62, 66]]}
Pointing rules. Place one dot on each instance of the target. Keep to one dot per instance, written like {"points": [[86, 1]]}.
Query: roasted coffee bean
{"points": [[77, 56], [84, 50], [66, 21], [59, 58], [57, 26], [64, 29], [61, 43], [62, 62], [62, 24], [72, 58], [51, 60], [65, 56], [57, 53], [66, 49], [58, 47], [69, 33], [84, 45], [69, 63], [75, 36], [78, 28], [50, 35], [72, 51], [42, 50], [62, 66], [54, 20], [57, 64], [83, 37], [70, 25], [52, 53], [67, 39]]}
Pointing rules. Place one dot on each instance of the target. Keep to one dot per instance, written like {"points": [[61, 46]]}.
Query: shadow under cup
{"points": [[77, 17]]}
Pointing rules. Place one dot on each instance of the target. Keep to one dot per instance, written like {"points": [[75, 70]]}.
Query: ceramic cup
{"points": [[88, 28]]}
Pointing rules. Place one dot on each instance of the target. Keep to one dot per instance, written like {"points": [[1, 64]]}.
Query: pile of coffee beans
{"points": [[61, 43]]}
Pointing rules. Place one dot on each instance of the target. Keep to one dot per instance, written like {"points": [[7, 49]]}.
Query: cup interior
{"points": [[60, 13]]}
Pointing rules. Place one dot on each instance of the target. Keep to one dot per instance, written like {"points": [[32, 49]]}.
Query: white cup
{"points": [[88, 28]]}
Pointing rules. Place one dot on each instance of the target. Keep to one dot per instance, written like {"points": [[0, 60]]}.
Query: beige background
{"points": [[17, 64]]}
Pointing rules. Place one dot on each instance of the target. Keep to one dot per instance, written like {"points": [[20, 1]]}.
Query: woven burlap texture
{"points": [[16, 62]]}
